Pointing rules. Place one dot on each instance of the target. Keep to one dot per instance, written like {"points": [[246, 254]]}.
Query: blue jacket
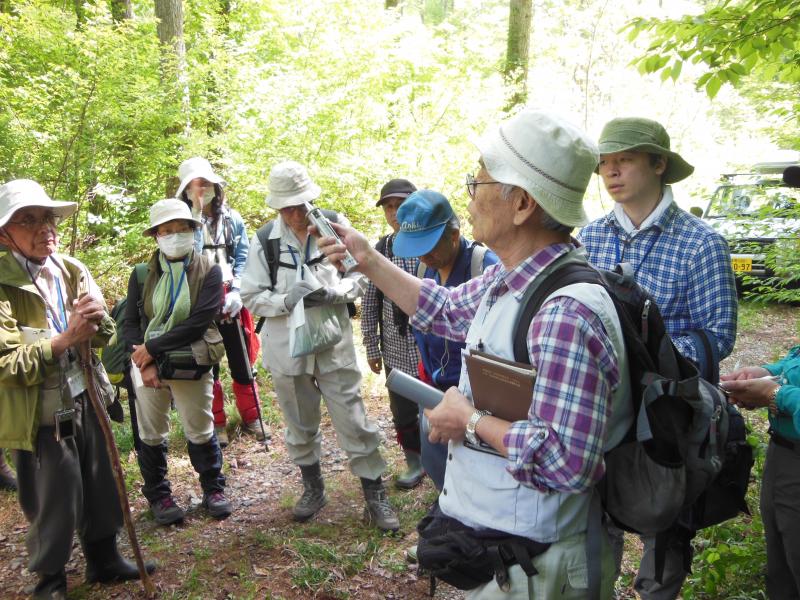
{"points": [[441, 357]]}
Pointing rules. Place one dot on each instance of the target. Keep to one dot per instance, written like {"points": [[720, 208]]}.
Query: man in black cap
{"points": [[388, 338]]}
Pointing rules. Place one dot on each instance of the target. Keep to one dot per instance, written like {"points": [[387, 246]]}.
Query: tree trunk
{"points": [[173, 49], [121, 10], [519, 37], [80, 14], [391, 3]]}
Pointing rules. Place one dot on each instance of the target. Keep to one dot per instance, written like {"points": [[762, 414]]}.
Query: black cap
{"points": [[396, 188], [791, 176]]}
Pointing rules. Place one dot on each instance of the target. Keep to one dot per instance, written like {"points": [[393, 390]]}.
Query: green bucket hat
{"points": [[643, 135]]}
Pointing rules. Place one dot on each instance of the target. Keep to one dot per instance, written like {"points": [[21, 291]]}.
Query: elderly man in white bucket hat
{"points": [[521, 485], [49, 305], [332, 373]]}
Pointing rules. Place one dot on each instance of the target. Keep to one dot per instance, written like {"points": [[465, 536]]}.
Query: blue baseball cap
{"points": [[422, 217]]}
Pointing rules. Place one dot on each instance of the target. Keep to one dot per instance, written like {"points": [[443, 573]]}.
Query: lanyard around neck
{"points": [[621, 253], [59, 320], [173, 298]]}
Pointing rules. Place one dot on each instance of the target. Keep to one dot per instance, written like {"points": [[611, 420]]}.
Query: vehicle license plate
{"points": [[742, 264]]}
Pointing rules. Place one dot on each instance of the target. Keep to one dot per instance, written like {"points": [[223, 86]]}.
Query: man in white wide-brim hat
{"points": [[49, 305], [526, 479], [333, 373]]}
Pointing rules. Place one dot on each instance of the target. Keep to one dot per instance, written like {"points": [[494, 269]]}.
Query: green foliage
{"points": [[734, 40]]}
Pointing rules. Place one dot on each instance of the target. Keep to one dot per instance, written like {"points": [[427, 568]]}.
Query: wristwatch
{"points": [[773, 401], [470, 434]]}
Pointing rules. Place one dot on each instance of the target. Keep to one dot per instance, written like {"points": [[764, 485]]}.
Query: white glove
{"points": [[233, 304]]}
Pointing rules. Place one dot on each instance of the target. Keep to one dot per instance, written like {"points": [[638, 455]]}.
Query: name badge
{"points": [[75, 380]]}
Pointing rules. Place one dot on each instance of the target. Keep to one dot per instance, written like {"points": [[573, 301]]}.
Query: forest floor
{"points": [[259, 552]]}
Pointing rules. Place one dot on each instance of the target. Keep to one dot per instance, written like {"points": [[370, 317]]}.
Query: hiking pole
{"points": [[92, 388], [251, 375]]}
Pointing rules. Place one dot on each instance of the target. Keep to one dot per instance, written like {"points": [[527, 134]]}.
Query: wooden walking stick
{"points": [[113, 455]]}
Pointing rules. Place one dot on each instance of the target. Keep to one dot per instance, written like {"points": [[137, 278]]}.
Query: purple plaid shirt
{"points": [[560, 446]]}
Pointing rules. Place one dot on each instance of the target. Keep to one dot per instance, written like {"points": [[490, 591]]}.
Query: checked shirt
{"points": [[397, 351], [560, 446], [683, 263]]}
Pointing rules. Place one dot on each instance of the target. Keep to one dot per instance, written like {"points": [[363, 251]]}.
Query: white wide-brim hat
{"points": [[166, 210], [290, 185], [195, 167], [22, 193], [547, 156]]}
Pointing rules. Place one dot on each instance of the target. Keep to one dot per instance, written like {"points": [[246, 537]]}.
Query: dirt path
{"points": [[259, 552]]}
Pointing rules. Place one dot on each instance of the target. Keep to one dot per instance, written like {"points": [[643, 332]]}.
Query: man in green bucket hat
{"points": [[676, 257]]}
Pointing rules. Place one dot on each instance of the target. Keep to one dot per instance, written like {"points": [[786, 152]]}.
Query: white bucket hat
{"points": [[195, 167], [290, 185], [21, 193], [169, 210], [547, 156]]}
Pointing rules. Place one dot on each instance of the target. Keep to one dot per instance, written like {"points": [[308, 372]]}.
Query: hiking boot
{"points": [[378, 511], [104, 563], [312, 500], [166, 512], [7, 479], [254, 428], [51, 587], [217, 505], [222, 436], [413, 474]]}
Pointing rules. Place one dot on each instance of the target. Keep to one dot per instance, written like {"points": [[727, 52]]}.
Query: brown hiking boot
{"points": [[254, 428]]}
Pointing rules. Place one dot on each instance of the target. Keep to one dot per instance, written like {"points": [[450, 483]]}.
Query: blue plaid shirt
{"points": [[686, 267]]}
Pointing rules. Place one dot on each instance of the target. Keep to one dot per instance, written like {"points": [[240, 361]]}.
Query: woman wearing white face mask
{"points": [[174, 310], [223, 240]]}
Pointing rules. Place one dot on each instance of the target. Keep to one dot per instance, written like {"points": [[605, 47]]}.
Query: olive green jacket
{"points": [[23, 367]]}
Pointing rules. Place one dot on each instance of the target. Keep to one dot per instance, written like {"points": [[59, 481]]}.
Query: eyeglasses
{"points": [[472, 185], [32, 223]]}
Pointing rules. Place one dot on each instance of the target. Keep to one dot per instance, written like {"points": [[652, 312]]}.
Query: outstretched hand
{"points": [[351, 240]]}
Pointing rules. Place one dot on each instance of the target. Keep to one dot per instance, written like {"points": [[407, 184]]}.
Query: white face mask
{"points": [[208, 195], [176, 245]]}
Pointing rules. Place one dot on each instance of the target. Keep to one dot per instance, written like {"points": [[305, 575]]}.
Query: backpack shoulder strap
{"points": [[535, 296], [383, 245], [476, 262], [140, 270], [272, 250]]}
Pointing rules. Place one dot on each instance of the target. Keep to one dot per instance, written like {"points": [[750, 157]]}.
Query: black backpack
{"points": [[115, 356], [694, 470], [272, 252]]}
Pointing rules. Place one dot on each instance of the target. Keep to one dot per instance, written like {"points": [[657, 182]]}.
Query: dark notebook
{"points": [[501, 386]]}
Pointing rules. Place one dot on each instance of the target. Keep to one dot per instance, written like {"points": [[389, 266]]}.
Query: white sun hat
{"points": [[22, 193], [195, 167], [166, 210], [290, 185], [547, 156]]}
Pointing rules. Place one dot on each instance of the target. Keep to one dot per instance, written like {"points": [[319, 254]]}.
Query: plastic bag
{"points": [[314, 329]]}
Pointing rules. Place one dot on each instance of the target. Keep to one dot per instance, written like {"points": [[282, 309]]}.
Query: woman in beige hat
{"points": [[223, 239], [49, 307], [176, 307]]}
